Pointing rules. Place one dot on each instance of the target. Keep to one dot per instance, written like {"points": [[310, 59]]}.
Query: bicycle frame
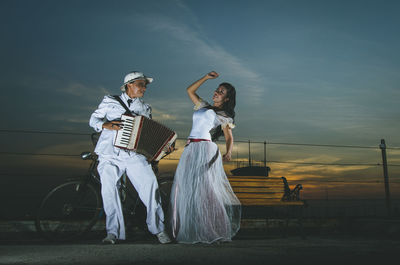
{"points": [[59, 215]]}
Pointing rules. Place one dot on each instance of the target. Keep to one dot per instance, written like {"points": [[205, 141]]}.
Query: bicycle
{"points": [[71, 209]]}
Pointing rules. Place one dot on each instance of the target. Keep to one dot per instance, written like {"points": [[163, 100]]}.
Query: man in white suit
{"points": [[114, 161]]}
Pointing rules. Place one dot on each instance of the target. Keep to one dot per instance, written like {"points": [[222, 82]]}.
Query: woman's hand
{"points": [[191, 90], [227, 157], [229, 143], [211, 75], [112, 125]]}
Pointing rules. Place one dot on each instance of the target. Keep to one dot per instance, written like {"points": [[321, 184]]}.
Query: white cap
{"points": [[133, 76]]}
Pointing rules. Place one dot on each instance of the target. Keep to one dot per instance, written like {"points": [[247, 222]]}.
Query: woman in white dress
{"points": [[203, 206]]}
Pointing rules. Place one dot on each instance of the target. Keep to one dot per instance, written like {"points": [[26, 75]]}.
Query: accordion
{"points": [[144, 136]]}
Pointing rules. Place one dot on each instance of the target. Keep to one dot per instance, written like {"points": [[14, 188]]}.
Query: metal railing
{"points": [[256, 155]]}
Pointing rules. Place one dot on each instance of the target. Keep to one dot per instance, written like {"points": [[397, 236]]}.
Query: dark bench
{"points": [[267, 197]]}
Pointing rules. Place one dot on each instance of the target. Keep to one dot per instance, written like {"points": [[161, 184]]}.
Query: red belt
{"points": [[190, 140]]}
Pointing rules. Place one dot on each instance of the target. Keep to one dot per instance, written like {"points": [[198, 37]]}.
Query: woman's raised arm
{"points": [[191, 90]]}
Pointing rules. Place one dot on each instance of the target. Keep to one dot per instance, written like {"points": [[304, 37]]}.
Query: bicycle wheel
{"points": [[68, 211]]}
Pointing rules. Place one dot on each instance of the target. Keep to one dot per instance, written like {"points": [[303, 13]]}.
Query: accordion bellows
{"points": [[144, 136]]}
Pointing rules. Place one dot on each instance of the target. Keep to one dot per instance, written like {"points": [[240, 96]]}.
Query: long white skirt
{"points": [[203, 206]]}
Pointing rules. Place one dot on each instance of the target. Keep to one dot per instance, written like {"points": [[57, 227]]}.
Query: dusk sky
{"points": [[320, 72]]}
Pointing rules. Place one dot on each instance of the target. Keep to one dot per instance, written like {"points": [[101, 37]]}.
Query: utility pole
{"points": [[249, 155], [237, 158], [265, 155], [382, 146]]}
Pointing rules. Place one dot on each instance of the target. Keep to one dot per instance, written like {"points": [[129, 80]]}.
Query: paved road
{"points": [[361, 242], [243, 250]]}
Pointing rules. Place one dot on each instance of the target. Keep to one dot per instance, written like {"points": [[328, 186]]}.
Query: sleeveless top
{"points": [[204, 120]]}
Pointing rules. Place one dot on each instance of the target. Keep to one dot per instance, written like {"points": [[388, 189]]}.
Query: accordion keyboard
{"points": [[125, 134]]}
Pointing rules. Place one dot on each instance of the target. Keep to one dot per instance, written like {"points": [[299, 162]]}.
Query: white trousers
{"points": [[142, 177]]}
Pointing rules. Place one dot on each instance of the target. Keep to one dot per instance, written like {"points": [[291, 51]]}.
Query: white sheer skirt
{"points": [[203, 206]]}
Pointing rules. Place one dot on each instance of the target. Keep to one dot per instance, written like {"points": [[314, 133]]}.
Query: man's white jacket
{"points": [[110, 109]]}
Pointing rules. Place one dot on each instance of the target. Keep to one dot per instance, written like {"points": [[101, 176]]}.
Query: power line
{"points": [[238, 141], [42, 132], [346, 181], [37, 154], [324, 164], [3, 174], [56, 176], [325, 145], [176, 159]]}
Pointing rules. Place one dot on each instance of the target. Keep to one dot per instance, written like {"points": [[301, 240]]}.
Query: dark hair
{"points": [[229, 106], [227, 109]]}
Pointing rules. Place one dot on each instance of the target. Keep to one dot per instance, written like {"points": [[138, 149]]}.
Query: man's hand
{"points": [[170, 149], [112, 125]]}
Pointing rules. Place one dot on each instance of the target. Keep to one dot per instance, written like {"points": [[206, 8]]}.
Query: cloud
{"points": [[207, 50], [162, 116], [177, 115], [80, 90]]}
